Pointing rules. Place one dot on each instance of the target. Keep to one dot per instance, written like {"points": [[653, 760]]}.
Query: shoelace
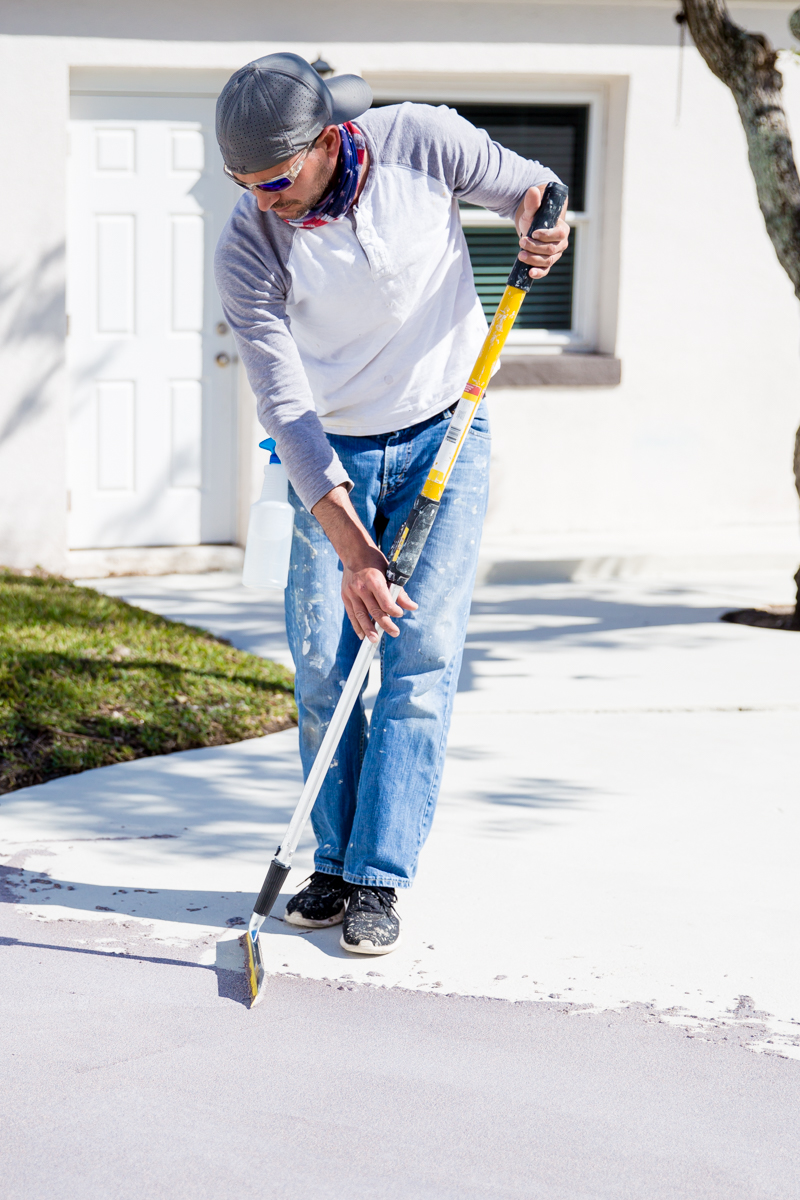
{"points": [[318, 884], [373, 899]]}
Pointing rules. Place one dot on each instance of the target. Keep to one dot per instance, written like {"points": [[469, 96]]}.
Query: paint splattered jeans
{"points": [[376, 805]]}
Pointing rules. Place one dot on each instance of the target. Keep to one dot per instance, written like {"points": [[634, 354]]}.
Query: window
{"points": [[556, 136], [551, 318], [547, 307], [553, 134]]}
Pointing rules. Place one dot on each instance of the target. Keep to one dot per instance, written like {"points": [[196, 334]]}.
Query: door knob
{"points": [[222, 360]]}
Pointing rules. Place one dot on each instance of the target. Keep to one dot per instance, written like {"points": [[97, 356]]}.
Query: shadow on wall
{"points": [[32, 415], [35, 303]]}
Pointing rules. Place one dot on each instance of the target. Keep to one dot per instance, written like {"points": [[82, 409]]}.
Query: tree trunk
{"points": [[746, 63]]}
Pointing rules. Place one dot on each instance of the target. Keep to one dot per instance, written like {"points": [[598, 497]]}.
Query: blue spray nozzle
{"points": [[269, 444]]}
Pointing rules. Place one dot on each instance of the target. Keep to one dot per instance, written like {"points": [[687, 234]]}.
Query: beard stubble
{"points": [[295, 210]]}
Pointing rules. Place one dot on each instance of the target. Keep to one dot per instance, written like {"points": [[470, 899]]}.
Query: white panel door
{"points": [[152, 419]]}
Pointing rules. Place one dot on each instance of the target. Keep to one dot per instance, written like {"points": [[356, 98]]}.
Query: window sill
{"points": [[558, 370]]}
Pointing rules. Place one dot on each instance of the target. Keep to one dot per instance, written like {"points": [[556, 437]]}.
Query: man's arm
{"points": [[475, 168], [252, 282], [252, 296], [364, 588]]}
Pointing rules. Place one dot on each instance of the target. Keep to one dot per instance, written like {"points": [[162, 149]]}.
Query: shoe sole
{"points": [[296, 919], [365, 947]]}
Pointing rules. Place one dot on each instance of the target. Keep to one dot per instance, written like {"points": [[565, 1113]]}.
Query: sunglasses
{"points": [[280, 184]]}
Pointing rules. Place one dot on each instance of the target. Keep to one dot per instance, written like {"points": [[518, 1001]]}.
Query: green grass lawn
{"points": [[86, 680]]}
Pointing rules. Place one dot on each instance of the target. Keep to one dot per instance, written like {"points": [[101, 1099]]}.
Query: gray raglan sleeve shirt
{"points": [[254, 281]]}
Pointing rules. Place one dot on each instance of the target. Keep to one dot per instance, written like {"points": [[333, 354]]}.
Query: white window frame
{"points": [[583, 335]]}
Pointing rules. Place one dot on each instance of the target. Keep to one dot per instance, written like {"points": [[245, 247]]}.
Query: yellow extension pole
{"points": [[472, 395]]}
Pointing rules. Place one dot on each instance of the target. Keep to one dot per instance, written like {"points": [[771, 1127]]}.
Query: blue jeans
{"points": [[375, 808]]}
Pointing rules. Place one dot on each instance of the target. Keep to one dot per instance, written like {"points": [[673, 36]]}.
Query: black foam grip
{"points": [[545, 217], [271, 888], [419, 523]]}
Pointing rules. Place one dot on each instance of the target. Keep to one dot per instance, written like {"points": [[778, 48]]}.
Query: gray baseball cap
{"points": [[273, 107]]}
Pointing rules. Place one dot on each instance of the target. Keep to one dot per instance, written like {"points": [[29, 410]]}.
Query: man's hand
{"points": [[547, 245], [364, 588]]}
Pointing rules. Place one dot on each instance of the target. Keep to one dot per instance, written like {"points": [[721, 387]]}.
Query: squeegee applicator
{"points": [[403, 558]]}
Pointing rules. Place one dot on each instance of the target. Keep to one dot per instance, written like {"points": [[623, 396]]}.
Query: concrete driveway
{"points": [[597, 993]]}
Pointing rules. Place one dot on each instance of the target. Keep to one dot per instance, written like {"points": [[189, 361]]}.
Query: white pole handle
{"points": [[319, 768]]}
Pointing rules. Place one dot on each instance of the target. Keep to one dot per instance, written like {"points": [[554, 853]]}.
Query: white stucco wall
{"points": [[33, 94], [691, 297]]}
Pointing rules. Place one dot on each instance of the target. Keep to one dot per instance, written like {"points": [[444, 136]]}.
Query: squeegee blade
{"points": [[256, 975]]}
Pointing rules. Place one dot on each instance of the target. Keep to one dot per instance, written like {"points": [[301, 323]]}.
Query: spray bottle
{"points": [[269, 532]]}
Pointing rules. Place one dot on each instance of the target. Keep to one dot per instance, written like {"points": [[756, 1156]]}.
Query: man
{"points": [[345, 277]]}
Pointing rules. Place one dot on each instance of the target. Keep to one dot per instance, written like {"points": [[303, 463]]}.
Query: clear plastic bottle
{"points": [[269, 532]]}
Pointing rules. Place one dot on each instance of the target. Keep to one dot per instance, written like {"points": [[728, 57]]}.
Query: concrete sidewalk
{"points": [[617, 831], [617, 821]]}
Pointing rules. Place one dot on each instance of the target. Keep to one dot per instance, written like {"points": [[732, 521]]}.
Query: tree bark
{"points": [[746, 63]]}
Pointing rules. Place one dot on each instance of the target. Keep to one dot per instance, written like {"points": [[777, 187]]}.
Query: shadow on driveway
{"points": [[520, 622], [231, 985]]}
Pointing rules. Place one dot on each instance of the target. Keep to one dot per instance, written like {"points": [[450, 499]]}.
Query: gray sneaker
{"points": [[371, 926], [320, 904]]}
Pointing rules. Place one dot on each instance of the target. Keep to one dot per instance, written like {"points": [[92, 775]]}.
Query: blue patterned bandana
{"points": [[339, 200]]}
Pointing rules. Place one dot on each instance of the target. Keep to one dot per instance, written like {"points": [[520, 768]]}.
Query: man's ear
{"points": [[329, 140]]}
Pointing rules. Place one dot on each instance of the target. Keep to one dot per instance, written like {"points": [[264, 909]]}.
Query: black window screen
{"points": [[547, 306], [555, 135]]}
